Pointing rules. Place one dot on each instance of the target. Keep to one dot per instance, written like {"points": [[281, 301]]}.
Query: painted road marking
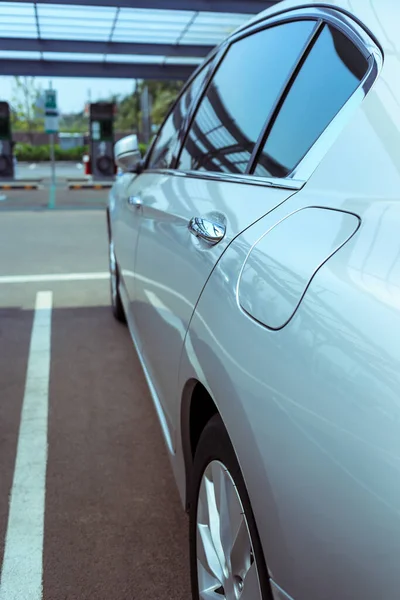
{"points": [[56, 277], [22, 571]]}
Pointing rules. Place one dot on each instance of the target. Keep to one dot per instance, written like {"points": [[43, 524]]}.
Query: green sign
{"points": [[50, 100]]}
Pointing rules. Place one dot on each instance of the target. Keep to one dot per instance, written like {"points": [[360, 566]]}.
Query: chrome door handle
{"points": [[208, 231], [135, 201]]}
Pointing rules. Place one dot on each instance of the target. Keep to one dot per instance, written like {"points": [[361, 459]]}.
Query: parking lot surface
{"points": [[27, 170], [113, 526]]}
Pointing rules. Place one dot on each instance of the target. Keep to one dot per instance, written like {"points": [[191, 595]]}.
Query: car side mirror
{"points": [[127, 154]]}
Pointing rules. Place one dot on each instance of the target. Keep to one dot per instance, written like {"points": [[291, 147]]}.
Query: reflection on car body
{"points": [[259, 277]]}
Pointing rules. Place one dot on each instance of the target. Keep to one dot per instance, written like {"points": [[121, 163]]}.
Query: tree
{"points": [[26, 116], [127, 116], [163, 95], [74, 122]]}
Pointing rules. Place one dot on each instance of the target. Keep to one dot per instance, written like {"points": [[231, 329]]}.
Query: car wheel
{"points": [[226, 557], [116, 302]]}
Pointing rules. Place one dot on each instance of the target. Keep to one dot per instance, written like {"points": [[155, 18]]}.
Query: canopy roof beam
{"points": [[60, 68], [232, 6], [83, 46]]}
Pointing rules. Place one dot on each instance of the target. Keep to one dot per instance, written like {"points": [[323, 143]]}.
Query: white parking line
{"points": [[54, 277], [22, 570]]}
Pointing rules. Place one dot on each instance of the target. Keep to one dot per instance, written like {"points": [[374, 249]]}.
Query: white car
{"points": [[255, 254]]}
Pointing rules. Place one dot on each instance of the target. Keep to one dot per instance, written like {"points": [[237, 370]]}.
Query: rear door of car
{"points": [[190, 214], [299, 360]]}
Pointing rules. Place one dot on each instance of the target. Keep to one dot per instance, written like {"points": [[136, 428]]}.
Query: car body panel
{"points": [[125, 229], [172, 265], [281, 264], [313, 414], [313, 409]]}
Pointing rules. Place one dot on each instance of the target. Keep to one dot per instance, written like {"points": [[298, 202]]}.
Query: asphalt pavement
{"points": [[63, 169], [108, 523]]}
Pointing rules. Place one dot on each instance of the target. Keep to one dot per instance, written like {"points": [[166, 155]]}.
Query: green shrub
{"points": [[71, 154], [28, 153], [142, 148]]}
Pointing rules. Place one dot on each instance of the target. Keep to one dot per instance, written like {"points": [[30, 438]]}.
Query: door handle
{"points": [[208, 231], [135, 201]]}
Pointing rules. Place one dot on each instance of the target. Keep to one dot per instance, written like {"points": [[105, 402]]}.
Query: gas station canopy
{"points": [[116, 38]]}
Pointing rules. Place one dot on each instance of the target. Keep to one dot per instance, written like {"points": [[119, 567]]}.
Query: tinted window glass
{"points": [[241, 96], [331, 73], [162, 152]]}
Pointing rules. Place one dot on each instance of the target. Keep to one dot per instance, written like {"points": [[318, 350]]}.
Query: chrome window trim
{"points": [[292, 76], [273, 182], [306, 167], [364, 33], [352, 29], [218, 59], [295, 180], [366, 45]]}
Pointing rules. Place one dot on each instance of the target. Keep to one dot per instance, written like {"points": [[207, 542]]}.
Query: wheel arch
{"points": [[197, 408]]}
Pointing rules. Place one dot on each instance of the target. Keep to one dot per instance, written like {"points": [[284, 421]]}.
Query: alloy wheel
{"points": [[226, 567]]}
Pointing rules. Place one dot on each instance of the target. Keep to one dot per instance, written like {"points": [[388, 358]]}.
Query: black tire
{"points": [[116, 304], [105, 165], [214, 444]]}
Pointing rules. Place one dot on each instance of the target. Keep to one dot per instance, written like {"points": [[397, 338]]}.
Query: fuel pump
{"points": [[101, 117], [6, 150]]}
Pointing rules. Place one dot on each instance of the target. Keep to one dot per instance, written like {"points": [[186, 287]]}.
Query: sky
{"points": [[73, 92]]}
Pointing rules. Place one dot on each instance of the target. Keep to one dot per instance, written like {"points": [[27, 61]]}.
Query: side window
{"points": [[241, 96], [162, 151], [330, 74]]}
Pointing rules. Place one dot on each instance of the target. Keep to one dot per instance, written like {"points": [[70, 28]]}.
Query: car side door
{"points": [[130, 191], [191, 214]]}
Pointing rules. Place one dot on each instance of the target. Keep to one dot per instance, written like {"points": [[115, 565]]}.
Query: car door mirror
{"points": [[127, 154]]}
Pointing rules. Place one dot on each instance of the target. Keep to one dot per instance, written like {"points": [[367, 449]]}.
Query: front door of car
{"points": [[190, 215], [126, 222], [128, 201], [129, 192]]}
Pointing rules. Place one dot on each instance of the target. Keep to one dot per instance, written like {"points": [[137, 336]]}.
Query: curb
{"points": [[19, 186], [90, 186]]}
